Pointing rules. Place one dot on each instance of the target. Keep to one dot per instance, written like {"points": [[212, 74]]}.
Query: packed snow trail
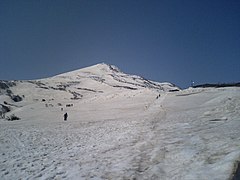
{"points": [[146, 162], [190, 138]]}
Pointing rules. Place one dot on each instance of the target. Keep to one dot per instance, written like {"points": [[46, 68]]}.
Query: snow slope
{"points": [[118, 128]]}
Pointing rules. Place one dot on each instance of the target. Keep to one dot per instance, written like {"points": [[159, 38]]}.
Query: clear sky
{"points": [[163, 40]]}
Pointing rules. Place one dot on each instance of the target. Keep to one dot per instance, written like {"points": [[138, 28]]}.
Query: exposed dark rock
{"points": [[39, 84], [69, 105], [9, 104], [173, 90], [96, 78], [9, 92], [76, 95], [114, 68], [126, 87], [43, 87], [7, 84], [13, 117], [236, 175], [218, 85], [91, 90], [16, 98], [4, 108], [62, 88], [187, 94], [139, 81], [3, 85]]}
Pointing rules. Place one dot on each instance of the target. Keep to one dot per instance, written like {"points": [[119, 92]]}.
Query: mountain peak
{"points": [[97, 69], [105, 67], [111, 75]]}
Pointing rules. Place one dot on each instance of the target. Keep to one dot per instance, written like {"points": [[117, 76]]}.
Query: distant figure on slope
{"points": [[158, 96], [65, 116]]}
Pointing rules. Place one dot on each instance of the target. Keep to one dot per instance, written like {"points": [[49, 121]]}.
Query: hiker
{"points": [[65, 116]]}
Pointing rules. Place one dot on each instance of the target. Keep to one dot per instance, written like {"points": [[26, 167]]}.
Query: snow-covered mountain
{"points": [[97, 80], [119, 126]]}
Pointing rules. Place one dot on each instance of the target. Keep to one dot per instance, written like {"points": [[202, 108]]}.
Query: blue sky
{"points": [[163, 40]]}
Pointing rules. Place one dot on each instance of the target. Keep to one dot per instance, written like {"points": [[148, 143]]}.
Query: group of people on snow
{"points": [[158, 96]]}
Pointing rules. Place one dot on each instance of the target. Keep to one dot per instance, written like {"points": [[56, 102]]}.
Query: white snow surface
{"points": [[118, 129]]}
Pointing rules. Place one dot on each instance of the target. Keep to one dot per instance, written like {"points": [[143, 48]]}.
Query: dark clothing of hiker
{"points": [[65, 116]]}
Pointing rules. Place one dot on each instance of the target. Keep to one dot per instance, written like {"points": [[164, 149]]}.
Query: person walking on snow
{"points": [[65, 116]]}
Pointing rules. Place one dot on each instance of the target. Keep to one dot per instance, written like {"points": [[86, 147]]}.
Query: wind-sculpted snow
{"points": [[118, 129]]}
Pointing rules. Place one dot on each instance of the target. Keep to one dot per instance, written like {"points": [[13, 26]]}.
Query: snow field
{"points": [[118, 129]]}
